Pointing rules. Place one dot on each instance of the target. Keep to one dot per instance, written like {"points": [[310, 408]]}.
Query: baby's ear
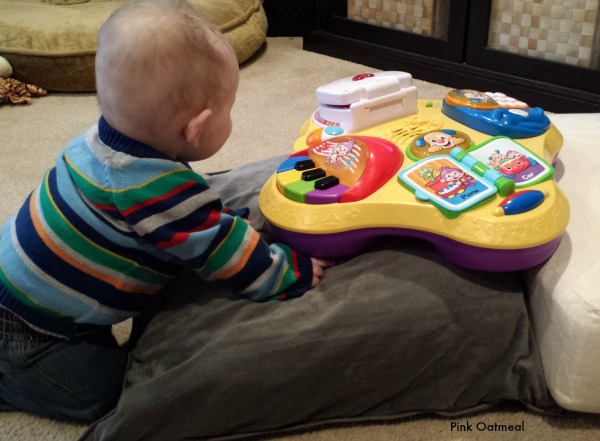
{"points": [[194, 128]]}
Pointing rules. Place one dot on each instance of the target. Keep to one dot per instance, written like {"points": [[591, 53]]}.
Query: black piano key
{"points": [[311, 175], [304, 165], [327, 182]]}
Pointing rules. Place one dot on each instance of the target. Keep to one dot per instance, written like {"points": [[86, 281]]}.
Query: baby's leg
{"points": [[78, 380]]}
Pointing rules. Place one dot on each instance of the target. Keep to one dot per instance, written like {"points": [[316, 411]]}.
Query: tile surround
{"points": [[416, 16], [557, 30], [566, 31]]}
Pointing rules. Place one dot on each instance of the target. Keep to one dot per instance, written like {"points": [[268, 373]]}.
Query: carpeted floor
{"points": [[276, 96]]}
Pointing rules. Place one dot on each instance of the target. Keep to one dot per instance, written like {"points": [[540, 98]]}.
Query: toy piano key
{"points": [[327, 182], [290, 163], [313, 175], [298, 177], [306, 164], [328, 192]]}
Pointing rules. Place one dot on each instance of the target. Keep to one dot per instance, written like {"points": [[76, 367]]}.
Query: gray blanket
{"points": [[395, 331]]}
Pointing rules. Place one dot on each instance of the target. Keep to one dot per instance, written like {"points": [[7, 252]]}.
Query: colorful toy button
{"points": [[362, 76], [439, 142], [506, 101], [471, 98], [321, 134], [520, 202]]}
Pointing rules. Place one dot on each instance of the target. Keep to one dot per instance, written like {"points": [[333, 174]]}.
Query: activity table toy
{"points": [[471, 173]]}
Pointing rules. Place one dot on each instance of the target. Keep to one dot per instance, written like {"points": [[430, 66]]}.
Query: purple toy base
{"points": [[468, 256]]}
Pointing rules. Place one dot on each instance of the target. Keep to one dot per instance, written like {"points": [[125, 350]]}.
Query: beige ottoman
{"points": [[52, 43]]}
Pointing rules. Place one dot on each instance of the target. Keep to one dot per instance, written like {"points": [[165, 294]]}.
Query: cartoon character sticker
{"points": [[427, 173], [338, 154], [515, 164], [450, 181], [471, 98], [438, 142], [441, 140], [342, 156]]}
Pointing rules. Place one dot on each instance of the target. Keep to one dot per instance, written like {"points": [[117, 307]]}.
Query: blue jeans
{"points": [[77, 380]]}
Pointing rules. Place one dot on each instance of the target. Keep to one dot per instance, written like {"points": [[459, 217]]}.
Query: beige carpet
{"points": [[276, 96]]}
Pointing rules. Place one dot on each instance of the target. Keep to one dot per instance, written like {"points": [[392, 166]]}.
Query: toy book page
{"points": [[445, 182], [514, 161]]}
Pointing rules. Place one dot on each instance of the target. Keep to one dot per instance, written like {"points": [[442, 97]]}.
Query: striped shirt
{"points": [[112, 223]]}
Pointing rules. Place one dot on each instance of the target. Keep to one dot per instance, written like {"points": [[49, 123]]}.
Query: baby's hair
{"points": [[157, 54]]}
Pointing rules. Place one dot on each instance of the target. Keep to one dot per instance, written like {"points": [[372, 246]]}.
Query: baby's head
{"points": [[167, 78]]}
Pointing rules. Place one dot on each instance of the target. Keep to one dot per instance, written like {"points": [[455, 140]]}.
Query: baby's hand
{"points": [[318, 265]]}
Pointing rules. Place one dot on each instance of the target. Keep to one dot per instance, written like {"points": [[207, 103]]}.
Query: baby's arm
{"points": [[253, 267], [196, 229]]}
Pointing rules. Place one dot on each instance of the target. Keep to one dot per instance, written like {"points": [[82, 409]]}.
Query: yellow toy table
{"points": [[471, 173]]}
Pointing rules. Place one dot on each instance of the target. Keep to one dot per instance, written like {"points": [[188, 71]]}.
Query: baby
{"points": [[121, 214]]}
